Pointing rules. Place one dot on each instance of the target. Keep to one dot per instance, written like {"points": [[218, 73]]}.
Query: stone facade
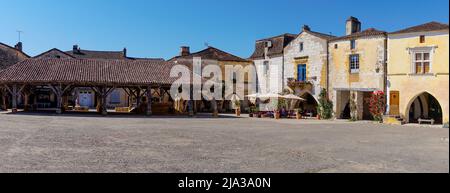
{"points": [[411, 88], [369, 77], [10, 56], [314, 55], [270, 78]]}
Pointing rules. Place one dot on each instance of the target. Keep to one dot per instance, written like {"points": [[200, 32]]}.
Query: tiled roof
{"points": [[54, 52], [278, 45], [212, 53], [10, 56], [89, 71], [322, 35], [431, 26], [366, 33], [90, 54]]}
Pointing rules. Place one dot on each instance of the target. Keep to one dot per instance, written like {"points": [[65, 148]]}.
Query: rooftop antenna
{"points": [[19, 33]]}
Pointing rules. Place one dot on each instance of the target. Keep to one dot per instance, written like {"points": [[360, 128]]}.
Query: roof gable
{"points": [[431, 26], [54, 53], [278, 45], [90, 54], [366, 33], [212, 53]]}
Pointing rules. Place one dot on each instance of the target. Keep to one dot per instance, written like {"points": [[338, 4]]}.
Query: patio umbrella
{"points": [[270, 95], [256, 95], [294, 97]]}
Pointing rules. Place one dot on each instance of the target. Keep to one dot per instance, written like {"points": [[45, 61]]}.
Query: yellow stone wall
{"points": [[409, 85], [371, 52]]}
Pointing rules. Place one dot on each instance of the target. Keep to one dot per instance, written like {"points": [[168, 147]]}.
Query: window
{"points": [[352, 44], [422, 39], [354, 63], [422, 62], [301, 46], [301, 72], [266, 67], [335, 46]]}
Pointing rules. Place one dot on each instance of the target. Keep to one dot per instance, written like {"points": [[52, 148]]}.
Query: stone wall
{"points": [[9, 56], [272, 81], [314, 55]]}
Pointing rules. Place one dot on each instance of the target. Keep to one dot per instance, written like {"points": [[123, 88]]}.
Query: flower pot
{"points": [[277, 115], [238, 112], [298, 115]]}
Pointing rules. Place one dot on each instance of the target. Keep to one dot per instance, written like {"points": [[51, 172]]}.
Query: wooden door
{"points": [[394, 103]]}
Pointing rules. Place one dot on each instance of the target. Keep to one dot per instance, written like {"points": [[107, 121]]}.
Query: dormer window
{"points": [[268, 44]]}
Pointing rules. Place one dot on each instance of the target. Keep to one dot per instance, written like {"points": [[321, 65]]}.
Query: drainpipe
{"points": [[328, 69], [385, 75], [282, 73]]}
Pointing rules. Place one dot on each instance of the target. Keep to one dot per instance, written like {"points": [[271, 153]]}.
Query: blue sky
{"points": [[157, 28]]}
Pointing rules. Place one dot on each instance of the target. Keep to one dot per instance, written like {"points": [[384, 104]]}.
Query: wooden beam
{"points": [[149, 101]]}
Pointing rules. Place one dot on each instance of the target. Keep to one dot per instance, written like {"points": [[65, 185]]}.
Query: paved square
{"points": [[70, 143]]}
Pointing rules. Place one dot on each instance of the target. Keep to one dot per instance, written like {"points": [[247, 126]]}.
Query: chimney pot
{"points": [[76, 49], [306, 28], [18, 46], [353, 25], [185, 51], [124, 52]]}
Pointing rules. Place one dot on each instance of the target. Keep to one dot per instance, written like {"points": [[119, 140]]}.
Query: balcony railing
{"points": [[293, 84]]}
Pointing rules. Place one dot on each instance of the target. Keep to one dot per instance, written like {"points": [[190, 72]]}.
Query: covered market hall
{"points": [[53, 84]]}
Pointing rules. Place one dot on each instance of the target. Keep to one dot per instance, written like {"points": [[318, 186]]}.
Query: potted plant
{"points": [[298, 114], [237, 104], [250, 111]]}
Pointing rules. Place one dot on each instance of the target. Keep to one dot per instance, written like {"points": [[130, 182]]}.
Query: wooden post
{"points": [[59, 92], [138, 98], [214, 108], [161, 95], [3, 93], [191, 102], [15, 92], [149, 101], [103, 107], [103, 92]]}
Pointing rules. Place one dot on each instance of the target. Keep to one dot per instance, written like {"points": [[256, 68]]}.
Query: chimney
{"points": [[352, 26], [185, 51], [18, 46], [76, 49], [124, 52], [306, 28]]}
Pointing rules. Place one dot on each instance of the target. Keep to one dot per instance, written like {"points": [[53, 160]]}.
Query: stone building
{"points": [[11, 55], [214, 56], [418, 73], [269, 60], [305, 66], [357, 67]]}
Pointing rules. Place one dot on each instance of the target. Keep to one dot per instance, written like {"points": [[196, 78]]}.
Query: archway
{"points": [[309, 105], [424, 106]]}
